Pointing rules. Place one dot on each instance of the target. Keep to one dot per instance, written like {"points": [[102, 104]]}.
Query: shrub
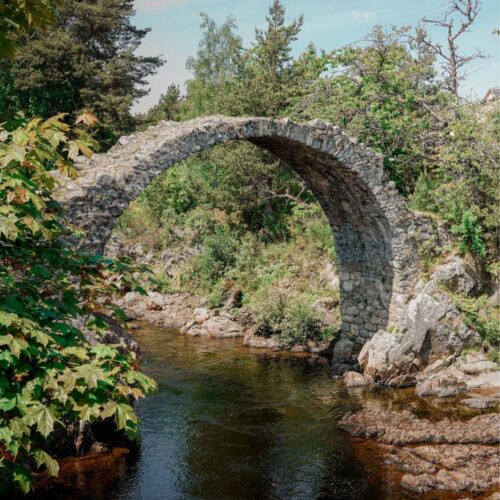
{"points": [[137, 223], [470, 233], [161, 282], [482, 316], [219, 254], [290, 318]]}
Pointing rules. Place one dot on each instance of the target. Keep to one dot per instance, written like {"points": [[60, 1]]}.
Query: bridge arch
{"points": [[372, 228]]}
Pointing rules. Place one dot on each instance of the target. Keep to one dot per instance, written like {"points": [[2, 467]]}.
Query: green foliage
{"points": [[232, 80], [271, 72], [291, 318], [219, 51], [482, 316], [168, 108], [216, 68], [244, 185], [49, 374], [470, 231], [161, 282], [85, 61], [219, 254], [18, 17], [380, 93]]}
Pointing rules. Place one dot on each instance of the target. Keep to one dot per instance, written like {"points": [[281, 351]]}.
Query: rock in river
{"points": [[444, 456]]}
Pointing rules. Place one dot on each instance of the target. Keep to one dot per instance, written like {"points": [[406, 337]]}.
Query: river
{"points": [[230, 422]]}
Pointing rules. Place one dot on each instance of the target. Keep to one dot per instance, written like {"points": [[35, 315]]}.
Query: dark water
{"points": [[233, 423], [229, 422]]}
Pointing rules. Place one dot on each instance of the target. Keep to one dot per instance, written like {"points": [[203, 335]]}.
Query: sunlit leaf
{"points": [[15, 152], [87, 117], [42, 417], [43, 458]]}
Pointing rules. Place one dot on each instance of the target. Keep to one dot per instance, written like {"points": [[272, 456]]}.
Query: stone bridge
{"points": [[372, 228]]}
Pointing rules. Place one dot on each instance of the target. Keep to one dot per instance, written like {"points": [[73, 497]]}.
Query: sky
{"points": [[329, 24]]}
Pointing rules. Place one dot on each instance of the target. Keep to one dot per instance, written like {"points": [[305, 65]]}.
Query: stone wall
{"points": [[373, 229]]}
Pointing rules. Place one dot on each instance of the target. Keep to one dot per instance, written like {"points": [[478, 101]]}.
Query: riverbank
{"points": [[191, 315], [471, 374]]}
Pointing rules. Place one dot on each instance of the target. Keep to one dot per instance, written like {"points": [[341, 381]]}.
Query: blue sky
{"points": [[327, 23]]}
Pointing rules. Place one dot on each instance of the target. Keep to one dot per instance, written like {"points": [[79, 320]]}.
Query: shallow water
{"points": [[229, 422]]}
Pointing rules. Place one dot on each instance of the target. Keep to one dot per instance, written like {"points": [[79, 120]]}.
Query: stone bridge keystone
{"points": [[372, 228]]}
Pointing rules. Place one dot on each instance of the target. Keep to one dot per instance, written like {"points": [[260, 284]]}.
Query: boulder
{"points": [[201, 314], [114, 334], [156, 301], [258, 342], [134, 303], [442, 385], [221, 326], [457, 276], [439, 364], [325, 304], [355, 379], [344, 356], [490, 380], [234, 300], [374, 356], [478, 367], [344, 351], [430, 330]]}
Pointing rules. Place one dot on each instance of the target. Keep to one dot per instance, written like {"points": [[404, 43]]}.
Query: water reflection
{"points": [[229, 422]]}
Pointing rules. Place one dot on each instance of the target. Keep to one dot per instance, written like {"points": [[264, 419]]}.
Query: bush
{"points": [[290, 318], [138, 224], [470, 233], [219, 254], [482, 316]]}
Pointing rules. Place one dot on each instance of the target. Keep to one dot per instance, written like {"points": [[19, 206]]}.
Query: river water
{"points": [[230, 422]]}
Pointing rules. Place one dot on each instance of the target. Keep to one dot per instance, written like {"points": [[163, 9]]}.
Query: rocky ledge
{"points": [[452, 456], [425, 348], [472, 377]]}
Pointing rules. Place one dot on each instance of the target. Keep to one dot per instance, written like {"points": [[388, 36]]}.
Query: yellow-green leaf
{"points": [[43, 458], [88, 118]]}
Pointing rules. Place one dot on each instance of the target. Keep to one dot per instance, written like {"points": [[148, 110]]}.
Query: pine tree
{"points": [[86, 60], [168, 108], [272, 70]]}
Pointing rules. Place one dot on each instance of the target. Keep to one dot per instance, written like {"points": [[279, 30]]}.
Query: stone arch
{"points": [[372, 228]]}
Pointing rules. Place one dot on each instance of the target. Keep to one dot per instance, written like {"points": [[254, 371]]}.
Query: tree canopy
{"points": [[86, 60]]}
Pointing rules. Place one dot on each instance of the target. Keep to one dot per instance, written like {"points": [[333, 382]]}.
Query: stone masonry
{"points": [[372, 228]]}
